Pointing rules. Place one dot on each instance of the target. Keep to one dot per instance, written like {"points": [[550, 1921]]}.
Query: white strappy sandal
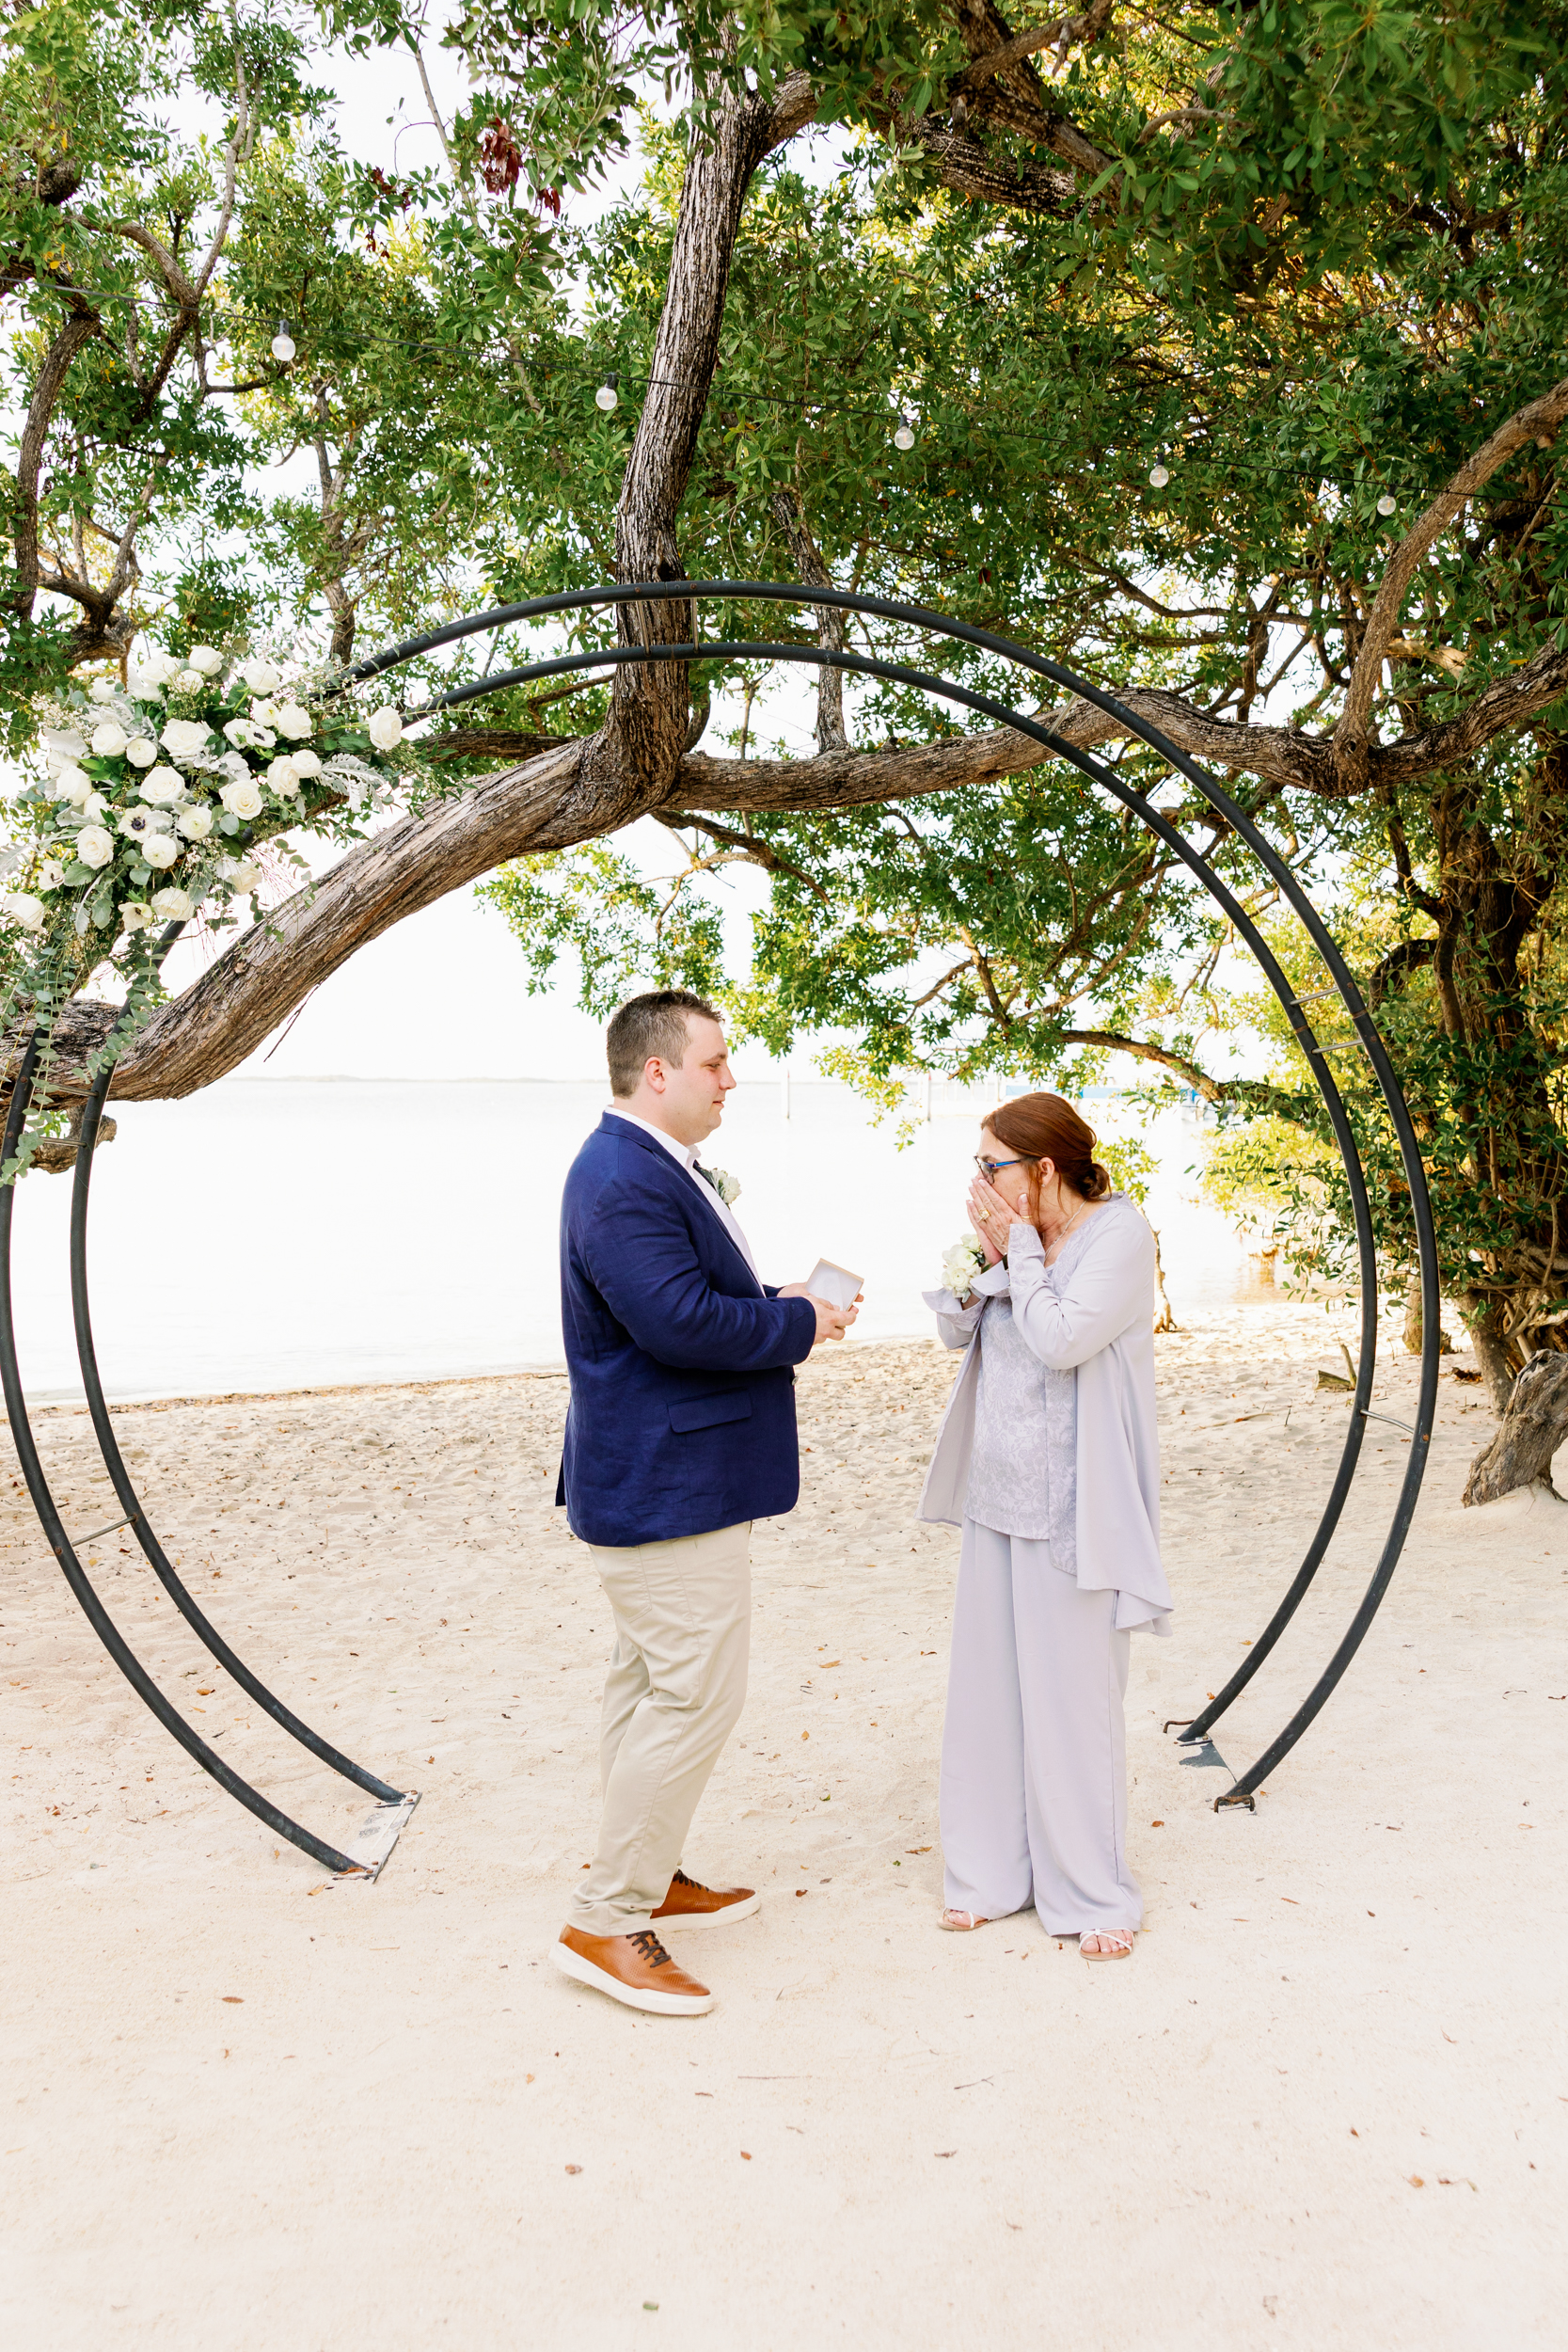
{"points": [[962, 1922], [1120, 1940]]}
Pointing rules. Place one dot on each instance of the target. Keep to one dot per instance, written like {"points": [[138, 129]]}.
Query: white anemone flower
{"points": [[260, 677], [184, 738], [205, 660], [51, 874], [385, 728], [95, 847], [136, 914], [138, 821], [263, 712], [23, 909], [242, 798], [195, 823], [161, 849], [160, 786], [141, 751], [305, 762], [295, 723], [172, 905]]}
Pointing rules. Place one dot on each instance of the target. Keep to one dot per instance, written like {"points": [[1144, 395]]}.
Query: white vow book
{"points": [[836, 1283]]}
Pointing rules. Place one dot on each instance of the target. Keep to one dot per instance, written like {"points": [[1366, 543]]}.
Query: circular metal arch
{"points": [[1365, 1035]]}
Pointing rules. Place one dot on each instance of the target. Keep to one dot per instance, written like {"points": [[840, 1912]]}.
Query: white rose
{"points": [[294, 721], [305, 762], [160, 786], [135, 914], [109, 740], [94, 847], [159, 667], [141, 751], [188, 681], [260, 677], [51, 874], [25, 909], [205, 660], [147, 686], [284, 779], [242, 798], [173, 905], [73, 784], [103, 689], [62, 744], [243, 875], [185, 736], [95, 806], [161, 849], [385, 728], [195, 823], [264, 713], [240, 731]]}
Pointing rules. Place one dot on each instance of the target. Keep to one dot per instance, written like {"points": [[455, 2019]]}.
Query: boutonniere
{"points": [[724, 1184]]}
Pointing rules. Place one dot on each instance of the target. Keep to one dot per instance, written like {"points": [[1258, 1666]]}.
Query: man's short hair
{"points": [[646, 1026]]}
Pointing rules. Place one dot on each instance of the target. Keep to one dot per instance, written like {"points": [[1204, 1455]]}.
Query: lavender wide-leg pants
{"points": [[1034, 1750]]}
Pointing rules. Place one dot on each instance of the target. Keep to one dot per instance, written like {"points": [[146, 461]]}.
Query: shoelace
{"points": [[680, 1879], [651, 1949]]}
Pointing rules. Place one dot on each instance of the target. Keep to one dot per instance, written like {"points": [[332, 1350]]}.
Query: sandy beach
{"points": [[1325, 2104]]}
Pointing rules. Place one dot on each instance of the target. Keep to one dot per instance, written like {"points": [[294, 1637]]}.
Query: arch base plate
{"points": [[370, 1849]]}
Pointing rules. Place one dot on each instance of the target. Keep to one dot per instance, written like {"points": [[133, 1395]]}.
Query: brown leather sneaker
{"points": [[689, 1905], [635, 1969]]}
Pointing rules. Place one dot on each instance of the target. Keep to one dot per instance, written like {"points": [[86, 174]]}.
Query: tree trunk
{"points": [[1165, 1320], [1486, 1334], [1534, 1425]]}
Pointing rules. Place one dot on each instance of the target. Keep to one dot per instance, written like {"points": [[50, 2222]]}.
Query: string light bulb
{"points": [[904, 436], [607, 397], [283, 344], [1159, 475], [1388, 504]]}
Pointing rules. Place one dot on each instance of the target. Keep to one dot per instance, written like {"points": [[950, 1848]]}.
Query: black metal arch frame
{"points": [[395, 1804]]}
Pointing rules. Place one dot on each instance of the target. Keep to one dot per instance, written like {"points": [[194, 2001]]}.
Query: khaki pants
{"points": [[675, 1691]]}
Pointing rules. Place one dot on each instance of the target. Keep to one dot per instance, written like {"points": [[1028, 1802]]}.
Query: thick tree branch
{"points": [[1538, 421], [633, 758], [78, 329]]}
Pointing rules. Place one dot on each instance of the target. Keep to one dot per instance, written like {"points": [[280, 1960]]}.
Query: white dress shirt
{"points": [[688, 1156]]}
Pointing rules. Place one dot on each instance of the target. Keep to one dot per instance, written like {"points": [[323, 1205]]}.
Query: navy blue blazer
{"points": [[682, 1414]]}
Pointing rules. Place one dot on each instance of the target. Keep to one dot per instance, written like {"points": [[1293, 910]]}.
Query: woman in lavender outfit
{"points": [[1048, 1458]]}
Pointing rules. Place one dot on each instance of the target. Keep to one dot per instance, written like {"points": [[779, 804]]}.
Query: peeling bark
{"points": [[1534, 1425]]}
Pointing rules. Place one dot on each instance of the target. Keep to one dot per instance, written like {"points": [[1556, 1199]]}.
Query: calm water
{"points": [[301, 1233]]}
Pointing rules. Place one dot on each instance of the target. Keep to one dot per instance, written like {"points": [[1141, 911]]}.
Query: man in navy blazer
{"points": [[680, 1433]]}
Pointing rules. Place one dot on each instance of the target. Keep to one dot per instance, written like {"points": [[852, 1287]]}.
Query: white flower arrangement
{"points": [[724, 1184], [961, 1260], [173, 776]]}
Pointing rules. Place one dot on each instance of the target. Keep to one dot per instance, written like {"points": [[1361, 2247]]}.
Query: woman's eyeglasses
{"points": [[989, 1168]]}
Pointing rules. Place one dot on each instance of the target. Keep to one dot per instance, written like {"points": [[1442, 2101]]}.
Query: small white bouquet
{"points": [[724, 1184], [961, 1263]]}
